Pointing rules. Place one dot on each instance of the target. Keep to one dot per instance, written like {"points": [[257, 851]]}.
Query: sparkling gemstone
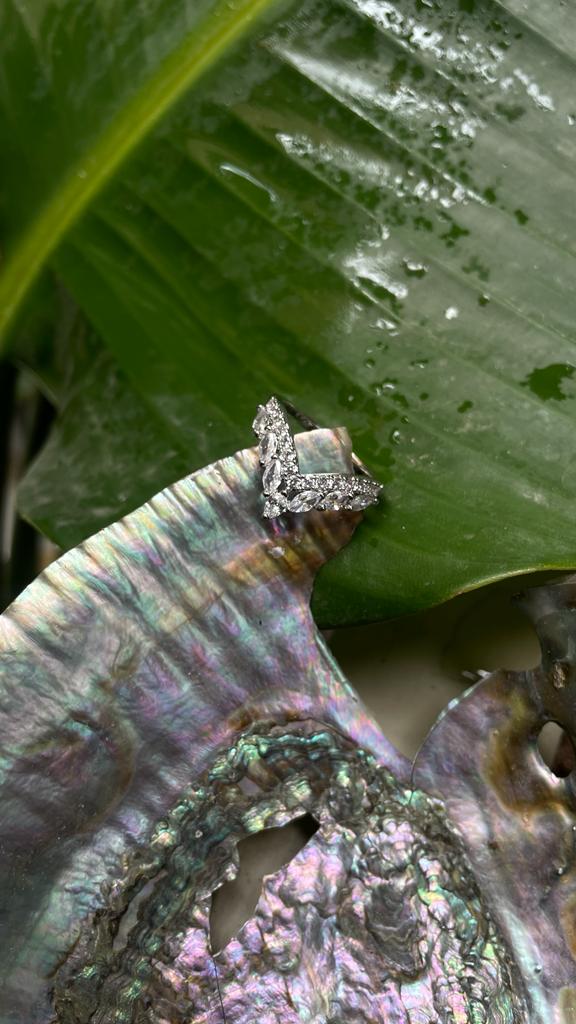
{"points": [[272, 476], [268, 446], [260, 419], [359, 501], [333, 500], [272, 509], [304, 501]]}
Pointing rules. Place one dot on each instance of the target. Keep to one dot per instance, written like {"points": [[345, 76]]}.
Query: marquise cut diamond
{"points": [[334, 500], [359, 501], [268, 446], [260, 419], [272, 476], [304, 501]]}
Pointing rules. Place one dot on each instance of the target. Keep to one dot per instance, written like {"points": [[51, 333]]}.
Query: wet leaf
{"points": [[365, 207]]}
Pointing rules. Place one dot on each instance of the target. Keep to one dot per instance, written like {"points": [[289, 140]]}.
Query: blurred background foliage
{"points": [[365, 206]]}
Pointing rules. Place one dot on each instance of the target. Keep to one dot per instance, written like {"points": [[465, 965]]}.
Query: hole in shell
{"points": [[408, 670], [260, 855], [556, 749]]}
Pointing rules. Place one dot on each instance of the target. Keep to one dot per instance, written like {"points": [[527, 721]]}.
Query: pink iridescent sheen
{"points": [[165, 693]]}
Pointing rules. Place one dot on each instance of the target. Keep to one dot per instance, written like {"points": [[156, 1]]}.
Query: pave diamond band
{"points": [[286, 489]]}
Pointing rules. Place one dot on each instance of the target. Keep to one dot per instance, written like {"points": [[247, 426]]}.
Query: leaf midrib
{"points": [[199, 51]]}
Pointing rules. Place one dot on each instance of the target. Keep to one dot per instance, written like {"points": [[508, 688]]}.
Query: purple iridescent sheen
{"points": [[164, 693]]}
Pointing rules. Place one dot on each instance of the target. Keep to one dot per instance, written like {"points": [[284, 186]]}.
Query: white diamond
{"points": [[359, 501], [333, 501], [304, 501], [260, 420], [272, 509], [272, 477], [268, 447]]}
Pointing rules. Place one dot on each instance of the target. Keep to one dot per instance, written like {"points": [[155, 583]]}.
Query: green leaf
{"points": [[366, 207], [94, 81]]}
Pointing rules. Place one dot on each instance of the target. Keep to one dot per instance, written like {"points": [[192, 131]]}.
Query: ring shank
{"points": [[310, 424]]}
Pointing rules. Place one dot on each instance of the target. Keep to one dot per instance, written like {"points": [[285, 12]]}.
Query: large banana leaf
{"points": [[363, 205]]}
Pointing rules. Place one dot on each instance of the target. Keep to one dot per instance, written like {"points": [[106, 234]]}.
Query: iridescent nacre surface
{"points": [[126, 667], [378, 918], [517, 817], [164, 693]]}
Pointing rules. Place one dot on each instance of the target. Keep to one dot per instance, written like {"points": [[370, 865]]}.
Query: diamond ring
{"points": [[285, 488]]}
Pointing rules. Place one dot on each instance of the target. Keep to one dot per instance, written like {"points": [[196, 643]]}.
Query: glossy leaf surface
{"points": [[366, 207]]}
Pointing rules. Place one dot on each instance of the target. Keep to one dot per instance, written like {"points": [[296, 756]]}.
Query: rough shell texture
{"points": [[378, 918], [164, 692], [517, 817], [126, 666]]}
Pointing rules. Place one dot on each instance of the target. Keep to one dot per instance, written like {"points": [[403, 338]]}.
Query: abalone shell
{"points": [[164, 693]]}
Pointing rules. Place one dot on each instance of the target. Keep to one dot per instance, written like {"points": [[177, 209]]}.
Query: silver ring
{"points": [[285, 488]]}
